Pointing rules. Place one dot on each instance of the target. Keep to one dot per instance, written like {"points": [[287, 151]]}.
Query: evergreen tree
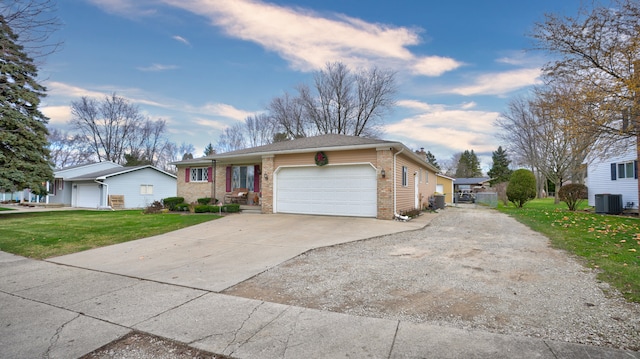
{"points": [[468, 165], [431, 159], [500, 171], [209, 150], [23, 132]]}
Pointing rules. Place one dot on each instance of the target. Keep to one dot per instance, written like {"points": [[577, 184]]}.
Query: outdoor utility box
{"points": [[439, 202], [609, 203]]}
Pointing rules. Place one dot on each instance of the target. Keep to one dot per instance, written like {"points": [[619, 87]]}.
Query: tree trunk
{"points": [[636, 117]]}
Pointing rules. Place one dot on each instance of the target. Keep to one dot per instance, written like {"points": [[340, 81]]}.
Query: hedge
{"points": [[172, 202]]}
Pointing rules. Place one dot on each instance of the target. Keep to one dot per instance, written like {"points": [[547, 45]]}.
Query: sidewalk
{"points": [[54, 311], [87, 300]]}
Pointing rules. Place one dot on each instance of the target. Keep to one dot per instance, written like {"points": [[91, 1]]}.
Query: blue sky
{"points": [[203, 65]]}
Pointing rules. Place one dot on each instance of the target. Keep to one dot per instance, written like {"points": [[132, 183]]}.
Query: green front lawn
{"points": [[609, 243], [50, 234]]}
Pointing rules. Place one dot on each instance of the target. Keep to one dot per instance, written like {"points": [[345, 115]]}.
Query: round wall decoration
{"points": [[321, 159]]}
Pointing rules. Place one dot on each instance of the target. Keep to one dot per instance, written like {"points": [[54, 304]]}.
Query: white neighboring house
{"points": [[615, 174], [60, 189], [140, 185]]}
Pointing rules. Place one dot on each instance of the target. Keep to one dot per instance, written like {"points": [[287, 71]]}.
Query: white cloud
{"points": [[435, 65], [224, 110], [216, 125], [415, 105], [158, 67], [181, 39], [309, 40], [71, 91], [500, 83], [62, 91], [126, 8], [453, 129], [58, 115]]}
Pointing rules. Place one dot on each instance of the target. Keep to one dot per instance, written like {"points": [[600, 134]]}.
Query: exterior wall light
{"points": [[266, 177], [383, 173]]}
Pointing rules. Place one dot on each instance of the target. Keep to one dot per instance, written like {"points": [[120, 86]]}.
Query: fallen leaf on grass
{"points": [[632, 250]]}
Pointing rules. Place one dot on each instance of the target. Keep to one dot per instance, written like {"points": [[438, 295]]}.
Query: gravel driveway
{"points": [[470, 268]]}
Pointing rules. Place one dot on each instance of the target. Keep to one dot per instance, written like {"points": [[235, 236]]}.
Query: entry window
{"points": [[200, 174], [426, 176], [146, 189], [242, 177], [405, 176]]}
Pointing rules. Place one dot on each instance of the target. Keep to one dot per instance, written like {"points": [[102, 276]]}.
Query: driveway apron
{"points": [[221, 253]]}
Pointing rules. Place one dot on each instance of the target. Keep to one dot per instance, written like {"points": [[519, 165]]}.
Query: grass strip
{"points": [[608, 243], [50, 234]]}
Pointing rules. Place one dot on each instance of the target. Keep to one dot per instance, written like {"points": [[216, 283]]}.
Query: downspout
{"points": [[213, 182], [106, 195], [215, 176], [395, 180]]}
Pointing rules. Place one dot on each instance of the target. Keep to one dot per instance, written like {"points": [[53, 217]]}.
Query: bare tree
{"points": [[232, 138], [176, 153], [340, 101], [149, 143], [34, 21], [450, 166], [376, 91], [599, 54], [67, 149], [331, 106], [260, 130], [107, 126], [539, 130], [287, 114]]}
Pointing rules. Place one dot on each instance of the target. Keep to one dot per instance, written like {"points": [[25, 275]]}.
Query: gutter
{"points": [[249, 156], [395, 180], [106, 195]]}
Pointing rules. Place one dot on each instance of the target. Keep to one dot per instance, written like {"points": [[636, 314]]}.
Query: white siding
{"points": [[599, 178], [128, 184], [66, 195]]}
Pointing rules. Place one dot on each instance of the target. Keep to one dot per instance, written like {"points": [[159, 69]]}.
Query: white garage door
{"points": [[87, 195], [329, 190]]}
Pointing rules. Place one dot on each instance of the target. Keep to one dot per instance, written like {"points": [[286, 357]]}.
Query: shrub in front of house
{"points": [[182, 207], [521, 187], [206, 208], [155, 207], [172, 202], [573, 194], [231, 208], [207, 200]]}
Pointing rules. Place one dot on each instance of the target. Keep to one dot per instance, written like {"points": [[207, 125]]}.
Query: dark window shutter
{"points": [[256, 178], [210, 174], [187, 174], [613, 172], [228, 179], [635, 169]]}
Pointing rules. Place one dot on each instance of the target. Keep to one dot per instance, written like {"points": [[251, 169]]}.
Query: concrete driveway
{"points": [[219, 254]]}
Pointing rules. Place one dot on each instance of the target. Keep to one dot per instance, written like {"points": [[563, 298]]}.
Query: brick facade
{"points": [[385, 185], [267, 184], [420, 185]]}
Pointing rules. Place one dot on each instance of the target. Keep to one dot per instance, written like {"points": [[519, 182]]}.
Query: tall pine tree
{"points": [[468, 165], [432, 160], [500, 171], [23, 132]]}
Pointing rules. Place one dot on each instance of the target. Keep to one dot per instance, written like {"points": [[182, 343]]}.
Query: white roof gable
{"points": [[80, 170]]}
